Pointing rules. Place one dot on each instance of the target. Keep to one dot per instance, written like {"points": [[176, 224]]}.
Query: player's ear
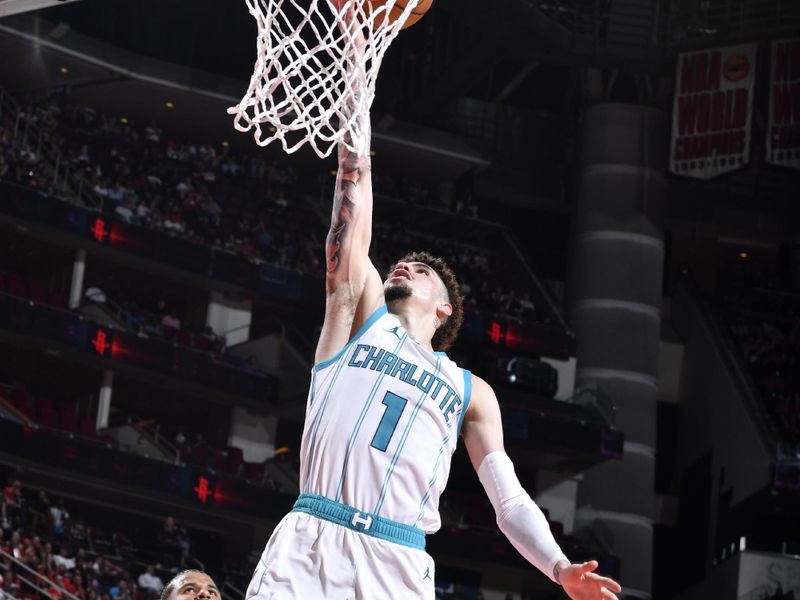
{"points": [[444, 310]]}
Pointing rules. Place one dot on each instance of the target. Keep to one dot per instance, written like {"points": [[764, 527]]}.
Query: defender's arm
{"points": [[518, 517]]}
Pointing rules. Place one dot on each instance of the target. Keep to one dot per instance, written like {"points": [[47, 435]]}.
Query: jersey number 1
{"points": [[395, 405]]}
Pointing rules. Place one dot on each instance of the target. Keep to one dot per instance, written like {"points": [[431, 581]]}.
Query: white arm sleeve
{"points": [[518, 517]]}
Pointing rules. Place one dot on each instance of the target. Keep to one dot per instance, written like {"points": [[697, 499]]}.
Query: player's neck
{"points": [[420, 328]]}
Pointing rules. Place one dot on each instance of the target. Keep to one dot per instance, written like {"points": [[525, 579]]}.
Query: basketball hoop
{"points": [[314, 78]]}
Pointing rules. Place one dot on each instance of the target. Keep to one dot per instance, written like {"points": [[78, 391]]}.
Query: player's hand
{"points": [[580, 582]]}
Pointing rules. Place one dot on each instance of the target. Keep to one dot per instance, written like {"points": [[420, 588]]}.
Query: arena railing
{"points": [[66, 180], [37, 581], [689, 21], [764, 422]]}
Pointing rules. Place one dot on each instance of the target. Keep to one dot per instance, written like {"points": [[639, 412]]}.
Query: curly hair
{"points": [[445, 335]]}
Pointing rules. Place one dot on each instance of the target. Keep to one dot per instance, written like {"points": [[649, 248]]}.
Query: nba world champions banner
{"points": [[783, 131], [712, 111]]}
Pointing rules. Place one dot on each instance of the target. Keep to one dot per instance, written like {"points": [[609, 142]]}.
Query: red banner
{"points": [[712, 111], [783, 131]]}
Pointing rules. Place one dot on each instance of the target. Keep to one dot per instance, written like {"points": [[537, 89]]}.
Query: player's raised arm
{"points": [[353, 286], [518, 517]]}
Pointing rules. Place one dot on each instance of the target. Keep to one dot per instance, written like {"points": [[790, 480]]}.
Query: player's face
{"points": [[195, 586], [413, 280]]}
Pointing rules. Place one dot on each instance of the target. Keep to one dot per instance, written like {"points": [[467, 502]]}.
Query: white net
{"points": [[314, 78]]}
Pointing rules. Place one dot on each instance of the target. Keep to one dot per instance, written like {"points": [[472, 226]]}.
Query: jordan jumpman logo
{"points": [[394, 331]]}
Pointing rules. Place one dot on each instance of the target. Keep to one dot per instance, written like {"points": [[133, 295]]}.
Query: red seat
{"points": [[183, 337], [235, 459], [24, 403], [88, 427], [68, 417], [200, 455], [48, 417], [37, 293], [46, 403], [254, 472], [219, 461], [58, 300], [16, 285]]}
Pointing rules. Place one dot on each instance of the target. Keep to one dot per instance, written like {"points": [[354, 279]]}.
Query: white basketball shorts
{"points": [[310, 557]]}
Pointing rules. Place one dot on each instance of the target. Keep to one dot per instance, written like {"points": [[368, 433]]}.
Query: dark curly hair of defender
{"points": [[446, 334]]}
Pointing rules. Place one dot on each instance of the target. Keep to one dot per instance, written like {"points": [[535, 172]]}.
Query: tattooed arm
{"points": [[353, 286]]}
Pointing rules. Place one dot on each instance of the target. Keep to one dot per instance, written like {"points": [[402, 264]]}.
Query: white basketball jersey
{"points": [[382, 422]]}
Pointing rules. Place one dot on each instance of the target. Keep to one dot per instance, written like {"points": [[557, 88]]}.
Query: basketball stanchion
{"points": [[314, 76]]}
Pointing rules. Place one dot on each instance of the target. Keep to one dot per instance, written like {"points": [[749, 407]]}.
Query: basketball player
{"points": [[190, 585], [385, 409]]}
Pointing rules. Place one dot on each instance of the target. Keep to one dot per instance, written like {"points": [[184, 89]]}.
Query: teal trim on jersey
{"points": [[406, 432], [433, 478], [379, 312], [310, 401], [362, 522], [318, 420], [440, 353], [467, 398], [261, 579], [352, 439]]}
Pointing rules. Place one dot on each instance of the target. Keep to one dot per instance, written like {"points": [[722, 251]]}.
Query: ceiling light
{"points": [[123, 119], [743, 254], [169, 104], [63, 70], [225, 143]]}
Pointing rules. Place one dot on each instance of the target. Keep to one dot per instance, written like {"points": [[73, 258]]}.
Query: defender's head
{"points": [[190, 585], [427, 284]]}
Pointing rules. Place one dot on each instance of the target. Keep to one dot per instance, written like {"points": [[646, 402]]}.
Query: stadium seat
{"points": [[87, 427], [219, 461], [235, 459], [68, 417], [58, 300], [16, 285], [124, 546], [254, 472], [100, 542], [48, 417], [23, 402], [36, 292]]}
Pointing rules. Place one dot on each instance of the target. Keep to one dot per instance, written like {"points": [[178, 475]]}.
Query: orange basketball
{"points": [[416, 13], [397, 10]]}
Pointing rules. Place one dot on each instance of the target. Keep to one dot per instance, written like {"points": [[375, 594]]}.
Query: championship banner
{"points": [[712, 111], [763, 575], [783, 130]]}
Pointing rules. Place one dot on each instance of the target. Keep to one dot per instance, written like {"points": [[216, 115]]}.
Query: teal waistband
{"points": [[363, 522]]}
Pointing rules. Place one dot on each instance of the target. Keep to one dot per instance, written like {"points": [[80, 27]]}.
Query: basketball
{"points": [[397, 10], [416, 13]]}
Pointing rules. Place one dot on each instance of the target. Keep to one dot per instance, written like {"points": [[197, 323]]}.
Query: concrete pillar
{"points": [[253, 434], [230, 317], [76, 286], [104, 401], [616, 309]]}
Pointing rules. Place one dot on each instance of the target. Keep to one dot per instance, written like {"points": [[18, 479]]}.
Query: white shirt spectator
{"points": [[69, 563], [151, 581]]}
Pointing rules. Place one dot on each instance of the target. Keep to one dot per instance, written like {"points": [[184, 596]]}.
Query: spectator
{"points": [[122, 591], [62, 559], [13, 504], [149, 582], [59, 515]]}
